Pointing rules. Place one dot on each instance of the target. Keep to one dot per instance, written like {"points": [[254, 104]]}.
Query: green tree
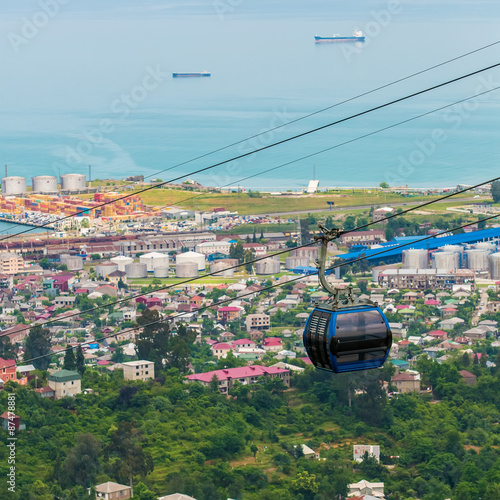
{"points": [[95, 256], [7, 350], [254, 449], [236, 251], [124, 454], [153, 341], [305, 484], [82, 462], [80, 360], [180, 348], [38, 344], [69, 359], [248, 257], [384, 185], [495, 191], [118, 356], [349, 223]]}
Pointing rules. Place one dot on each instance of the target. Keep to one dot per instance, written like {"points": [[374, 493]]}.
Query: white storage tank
{"points": [[121, 261], [161, 272], [153, 260], [103, 269], [72, 262], [271, 265], [13, 185], [310, 252], [73, 182], [191, 257], [186, 269], [495, 266], [223, 268], [489, 246], [446, 260], [415, 258], [44, 184], [293, 262], [136, 270], [477, 259]]}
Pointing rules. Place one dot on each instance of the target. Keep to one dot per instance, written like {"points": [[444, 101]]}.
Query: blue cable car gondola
{"points": [[345, 335]]}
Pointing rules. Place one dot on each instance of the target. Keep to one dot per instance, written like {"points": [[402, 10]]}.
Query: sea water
{"points": [[92, 85]]}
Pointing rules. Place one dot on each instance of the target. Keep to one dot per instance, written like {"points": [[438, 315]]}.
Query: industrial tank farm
{"points": [[186, 270], [136, 270]]}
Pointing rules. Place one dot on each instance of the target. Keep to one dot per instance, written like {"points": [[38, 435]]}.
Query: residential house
{"points": [[364, 487], [411, 297], [221, 349], [64, 301], [176, 496], [449, 324], [406, 381], [116, 276], [46, 392], [228, 313], [476, 333], [255, 335], [308, 452], [438, 335], [113, 491], [8, 370], [10, 263], [226, 337], [243, 343], [10, 421], [257, 248], [246, 375], [468, 377], [65, 383], [359, 451], [257, 322], [138, 370], [273, 344]]}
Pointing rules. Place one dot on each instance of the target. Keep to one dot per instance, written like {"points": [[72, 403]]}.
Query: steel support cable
{"points": [[264, 148]]}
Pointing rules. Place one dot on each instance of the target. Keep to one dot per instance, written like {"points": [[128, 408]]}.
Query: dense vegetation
{"points": [[168, 437]]}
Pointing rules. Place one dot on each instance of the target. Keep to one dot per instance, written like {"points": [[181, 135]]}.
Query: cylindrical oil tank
{"points": [[310, 252], [13, 185], [73, 182], [489, 246], [191, 257], [105, 268], [495, 266], [293, 262], [136, 270], [73, 262], [477, 259], [446, 260], [153, 260], [44, 184], [455, 248], [415, 258], [121, 261], [220, 268], [161, 272], [186, 269], [271, 265]]}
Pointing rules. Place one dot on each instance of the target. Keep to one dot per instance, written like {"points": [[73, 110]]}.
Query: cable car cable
{"points": [[171, 318], [190, 280], [345, 101], [264, 148]]}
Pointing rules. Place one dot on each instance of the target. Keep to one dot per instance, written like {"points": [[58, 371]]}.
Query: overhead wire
{"points": [[253, 261], [225, 301], [345, 101], [266, 147], [350, 141]]}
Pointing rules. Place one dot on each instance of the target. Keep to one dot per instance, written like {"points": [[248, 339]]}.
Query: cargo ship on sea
{"points": [[357, 36], [191, 75]]}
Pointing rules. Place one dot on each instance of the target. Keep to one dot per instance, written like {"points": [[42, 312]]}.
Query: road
{"points": [[480, 309], [352, 207]]}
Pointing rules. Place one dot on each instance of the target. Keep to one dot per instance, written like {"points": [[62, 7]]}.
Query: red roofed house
{"points": [[469, 378], [246, 375], [432, 302], [141, 300], [8, 370], [228, 313], [406, 381], [448, 312], [221, 349], [403, 344], [153, 301], [10, 421], [243, 343], [273, 344], [438, 334], [196, 301]]}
